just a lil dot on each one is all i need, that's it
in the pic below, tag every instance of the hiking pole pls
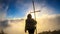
(34, 13)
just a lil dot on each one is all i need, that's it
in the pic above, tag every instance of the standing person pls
(30, 25)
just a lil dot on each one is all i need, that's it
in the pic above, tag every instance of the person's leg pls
(31, 31)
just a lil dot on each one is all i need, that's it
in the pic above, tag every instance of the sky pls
(47, 19)
(19, 8)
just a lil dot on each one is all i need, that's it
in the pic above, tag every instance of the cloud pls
(48, 22)
(2, 15)
(58, 19)
(3, 10)
(4, 24)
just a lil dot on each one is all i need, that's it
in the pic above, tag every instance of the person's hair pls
(29, 16)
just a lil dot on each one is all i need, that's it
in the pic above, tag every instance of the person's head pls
(29, 16)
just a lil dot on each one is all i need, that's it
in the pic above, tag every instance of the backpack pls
(30, 24)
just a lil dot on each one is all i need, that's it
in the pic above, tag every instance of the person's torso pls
(30, 24)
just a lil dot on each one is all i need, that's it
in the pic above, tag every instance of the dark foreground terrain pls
(49, 32)
(45, 32)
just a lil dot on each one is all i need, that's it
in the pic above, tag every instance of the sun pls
(37, 15)
(32, 15)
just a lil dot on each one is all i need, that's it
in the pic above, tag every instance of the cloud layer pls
(49, 22)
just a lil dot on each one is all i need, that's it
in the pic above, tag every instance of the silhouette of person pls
(30, 24)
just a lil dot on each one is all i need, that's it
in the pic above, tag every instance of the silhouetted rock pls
(49, 32)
